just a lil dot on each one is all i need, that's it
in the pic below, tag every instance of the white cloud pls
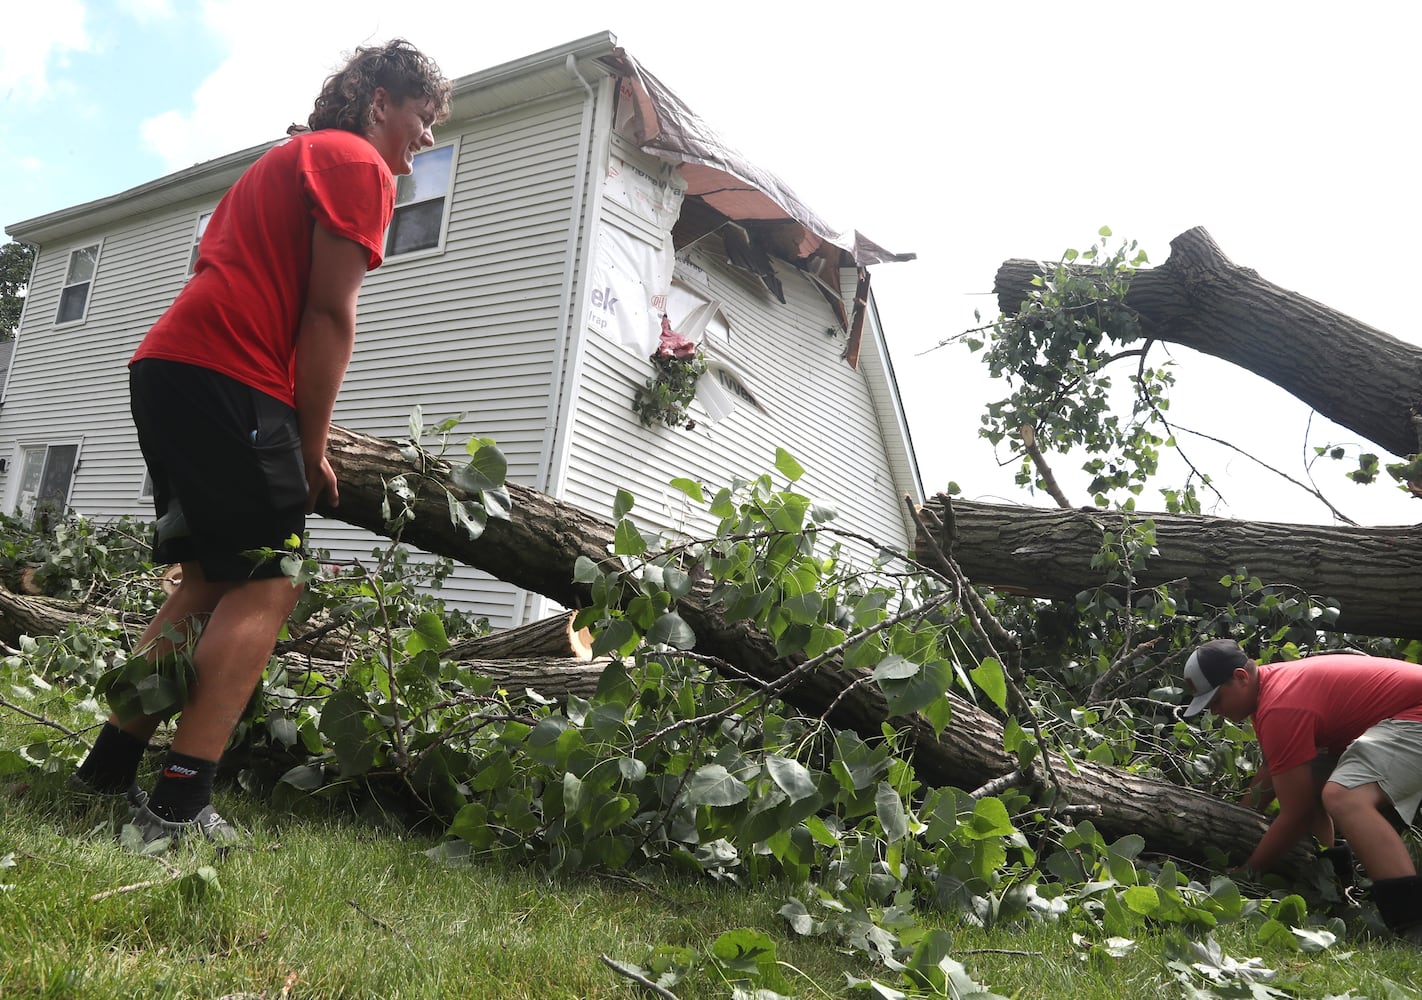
(279, 53)
(36, 37)
(145, 11)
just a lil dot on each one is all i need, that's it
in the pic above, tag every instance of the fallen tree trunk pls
(537, 547)
(552, 676)
(548, 637)
(1350, 372)
(1374, 573)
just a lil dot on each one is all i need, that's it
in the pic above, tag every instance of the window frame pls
(22, 449)
(98, 248)
(453, 144)
(199, 227)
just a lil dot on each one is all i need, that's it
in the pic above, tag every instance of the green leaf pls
(486, 469)
(306, 777)
(895, 668)
(990, 819)
(713, 785)
(428, 633)
(343, 724)
(585, 570)
(890, 810)
(691, 488)
(671, 630)
(925, 688)
(676, 582)
(621, 504)
(614, 637)
(497, 503)
(628, 541)
(791, 777)
(785, 462)
(991, 680)
(1142, 899)
(467, 514)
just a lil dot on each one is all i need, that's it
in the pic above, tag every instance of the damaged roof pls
(722, 178)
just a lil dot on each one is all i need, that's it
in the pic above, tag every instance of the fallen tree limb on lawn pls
(537, 547)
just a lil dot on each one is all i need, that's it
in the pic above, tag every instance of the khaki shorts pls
(1390, 753)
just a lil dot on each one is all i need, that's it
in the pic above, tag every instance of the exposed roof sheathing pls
(661, 125)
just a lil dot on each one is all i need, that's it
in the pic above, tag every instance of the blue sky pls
(971, 134)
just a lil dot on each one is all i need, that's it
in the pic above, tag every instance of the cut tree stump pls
(547, 637)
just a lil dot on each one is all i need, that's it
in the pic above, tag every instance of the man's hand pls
(321, 481)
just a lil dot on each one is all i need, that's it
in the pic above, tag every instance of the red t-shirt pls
(1327, 702)
(240, 310)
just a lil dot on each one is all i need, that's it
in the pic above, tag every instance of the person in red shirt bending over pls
(232, 392)
(1364, 711)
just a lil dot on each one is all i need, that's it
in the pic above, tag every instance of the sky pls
(972, 134)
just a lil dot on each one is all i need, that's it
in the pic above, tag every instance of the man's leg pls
(112, 763)
(230, 655)
(1359, 814)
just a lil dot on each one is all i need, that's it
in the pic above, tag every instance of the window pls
(422, 203)
(197, 240)
(74, 300)
(46, 473)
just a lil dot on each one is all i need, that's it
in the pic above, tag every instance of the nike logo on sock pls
(178, 771)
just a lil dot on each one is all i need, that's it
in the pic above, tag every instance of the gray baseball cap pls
(1209, 666)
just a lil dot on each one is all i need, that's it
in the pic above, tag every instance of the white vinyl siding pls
(70, 381)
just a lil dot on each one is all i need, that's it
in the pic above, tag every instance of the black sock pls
(183, 788)
(113, 761)
(1340, 856)
(1399, 901)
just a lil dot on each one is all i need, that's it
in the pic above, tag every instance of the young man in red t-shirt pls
(1365, 711)
(232, 392)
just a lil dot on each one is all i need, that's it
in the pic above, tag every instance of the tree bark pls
(1350, 372)
(1374, 573)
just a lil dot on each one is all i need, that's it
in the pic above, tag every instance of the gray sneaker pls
(133, 795)
(207, 822)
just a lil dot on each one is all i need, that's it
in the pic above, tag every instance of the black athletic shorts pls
(226, 465)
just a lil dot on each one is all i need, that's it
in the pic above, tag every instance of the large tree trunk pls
(1350, 372)
(1374, 573)
(537, 546)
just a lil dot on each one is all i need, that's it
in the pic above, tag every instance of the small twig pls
(134, 887)
(637, 978)
(1098, 689)
(37, 718)
(383, 926)
(999, 784)
(1049, 481)
(1000, 951)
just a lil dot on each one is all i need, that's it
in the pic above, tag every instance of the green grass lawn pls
(321, 903)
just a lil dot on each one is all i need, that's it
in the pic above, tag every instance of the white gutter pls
(565, 303)
(577, 330)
